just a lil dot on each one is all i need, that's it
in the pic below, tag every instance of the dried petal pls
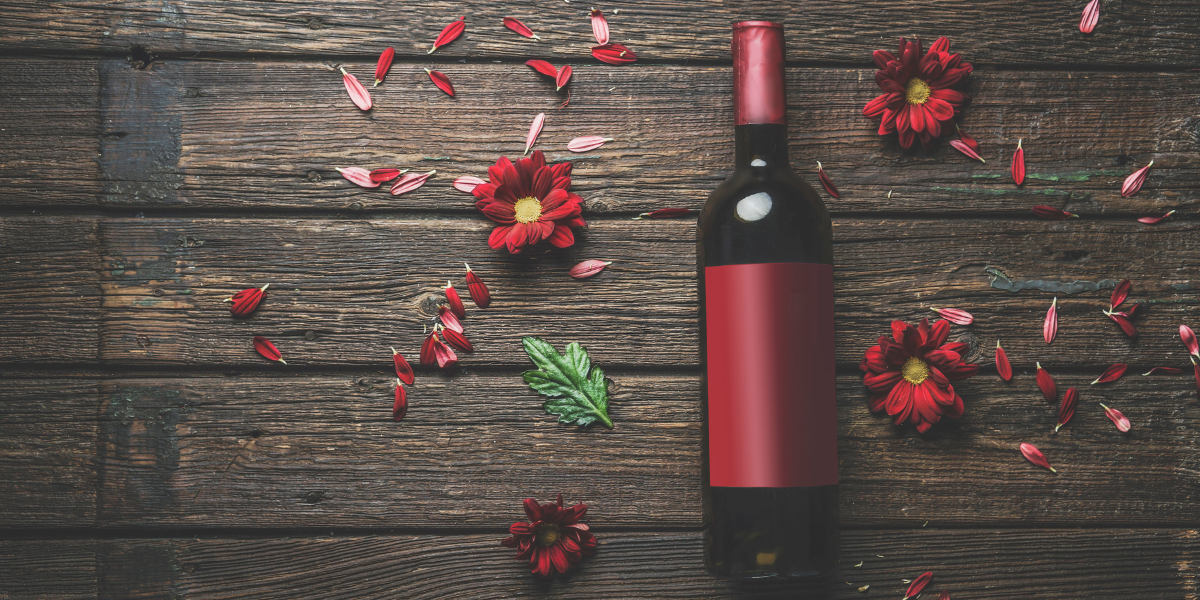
(410, 181)
(244, 302)
(1124, 323)
(664, 213)
(267, 349)
(1003, 367)
(404, 371)
(1046, 383)
(449, 33)
(1134, 182)
(614, 54)
(443, 354)
(1164, 371)
(455, 301)
(966, 139)
(382, 175)
(1052, 214)
(542, 67)
(1091, 14)
(1189, 340)
(825, 181)
(400, 406)
(358, 176)
(588, 268)
(478, 290)
(467, 183)
(520, 28)
(1050, 326)
(1035, 456)
(358, 93)
(1119, 294)
(1128, 314)
(1018, 165)
(1117, 418)
(1155, 220)
(441, 81)
(966, 149)
(1066, 410)
(457, 339)
(562, 78)
(1111, 374)
(449, 319)
(427, 355)
(587, 142)
(918, 584)
(954, 315)
(599, 27)
(384, 64)
(945, 595)
(535, 128)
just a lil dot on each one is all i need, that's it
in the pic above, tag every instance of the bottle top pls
(758, 80)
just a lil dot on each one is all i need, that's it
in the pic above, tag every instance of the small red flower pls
(917, 100)
(910, 374)
(531, 201)
(554, 539)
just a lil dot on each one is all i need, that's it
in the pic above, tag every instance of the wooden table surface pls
(158, 155)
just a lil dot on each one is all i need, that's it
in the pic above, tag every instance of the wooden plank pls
(47, 453)
(59, 569)
(1046, 33)
(220, 135)
(49, 289)
(983, 564)
(48, 132)
(342, 292)
(323, 451)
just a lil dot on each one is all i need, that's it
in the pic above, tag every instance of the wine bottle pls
(765, 270)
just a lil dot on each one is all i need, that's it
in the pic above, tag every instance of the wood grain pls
(989, 31)
(59, 569)
(977, 563)
(343, 291)
(323, 451)
(269, 135)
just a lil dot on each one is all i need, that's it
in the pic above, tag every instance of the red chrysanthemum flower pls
(554, 539)
(910, 374)
(917, 98)
(531, 201)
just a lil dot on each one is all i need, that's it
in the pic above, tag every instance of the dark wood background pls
(158, 155)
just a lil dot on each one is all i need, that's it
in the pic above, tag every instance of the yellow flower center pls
(915, 370)
(547, 534)
(916, 91)
(528, 209)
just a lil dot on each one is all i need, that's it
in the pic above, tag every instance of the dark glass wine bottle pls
(765, 268)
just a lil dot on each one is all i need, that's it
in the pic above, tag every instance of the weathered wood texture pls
(342, 291)
(216, 136)
(981, 564)
(991, 31)
(324, 452)
(49, 289)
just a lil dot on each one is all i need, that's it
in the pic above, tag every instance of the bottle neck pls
(761, 146)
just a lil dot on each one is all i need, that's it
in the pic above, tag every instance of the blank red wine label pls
(772, 408)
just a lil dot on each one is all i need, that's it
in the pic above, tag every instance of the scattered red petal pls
(542, 67)
(614, 54)
(410, 182)
(562, 78)
(1189, 340)
(918, 584)
(535, 128)
(586, 143)
(1111, 374)
(467, 183)
(427, 355)
(1091, 14)
(1046, 383)
(457, 339)
(384, 64)
(599, 27)
(404, 371)
(449, 33)
(1003, 367)
(400, 406)
(954, 315)
(455, 301)
(1050, 326)
(1119, 294)
(588, 268)
(441, 81)
(520, 28)
(449, 319)
(443, 354)
(244, 302)
(1052, 214)
(966, 139)
(1067, 409)
(1155, 220)
(358, 94)
(1164, 371)
(382, 175)
(1018, 165)
(966, 149)
(1117, 418)
(358, 176)
(1124, 324)
(1134, 182)
(478, 290)
(826, 181)
(267, 349)
(664, 213)
(1035, 456)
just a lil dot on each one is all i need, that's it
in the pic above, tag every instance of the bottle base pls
(772, 533)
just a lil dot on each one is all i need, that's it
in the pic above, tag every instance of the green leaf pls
(574, 395)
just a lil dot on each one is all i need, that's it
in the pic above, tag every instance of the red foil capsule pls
(758, 86)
